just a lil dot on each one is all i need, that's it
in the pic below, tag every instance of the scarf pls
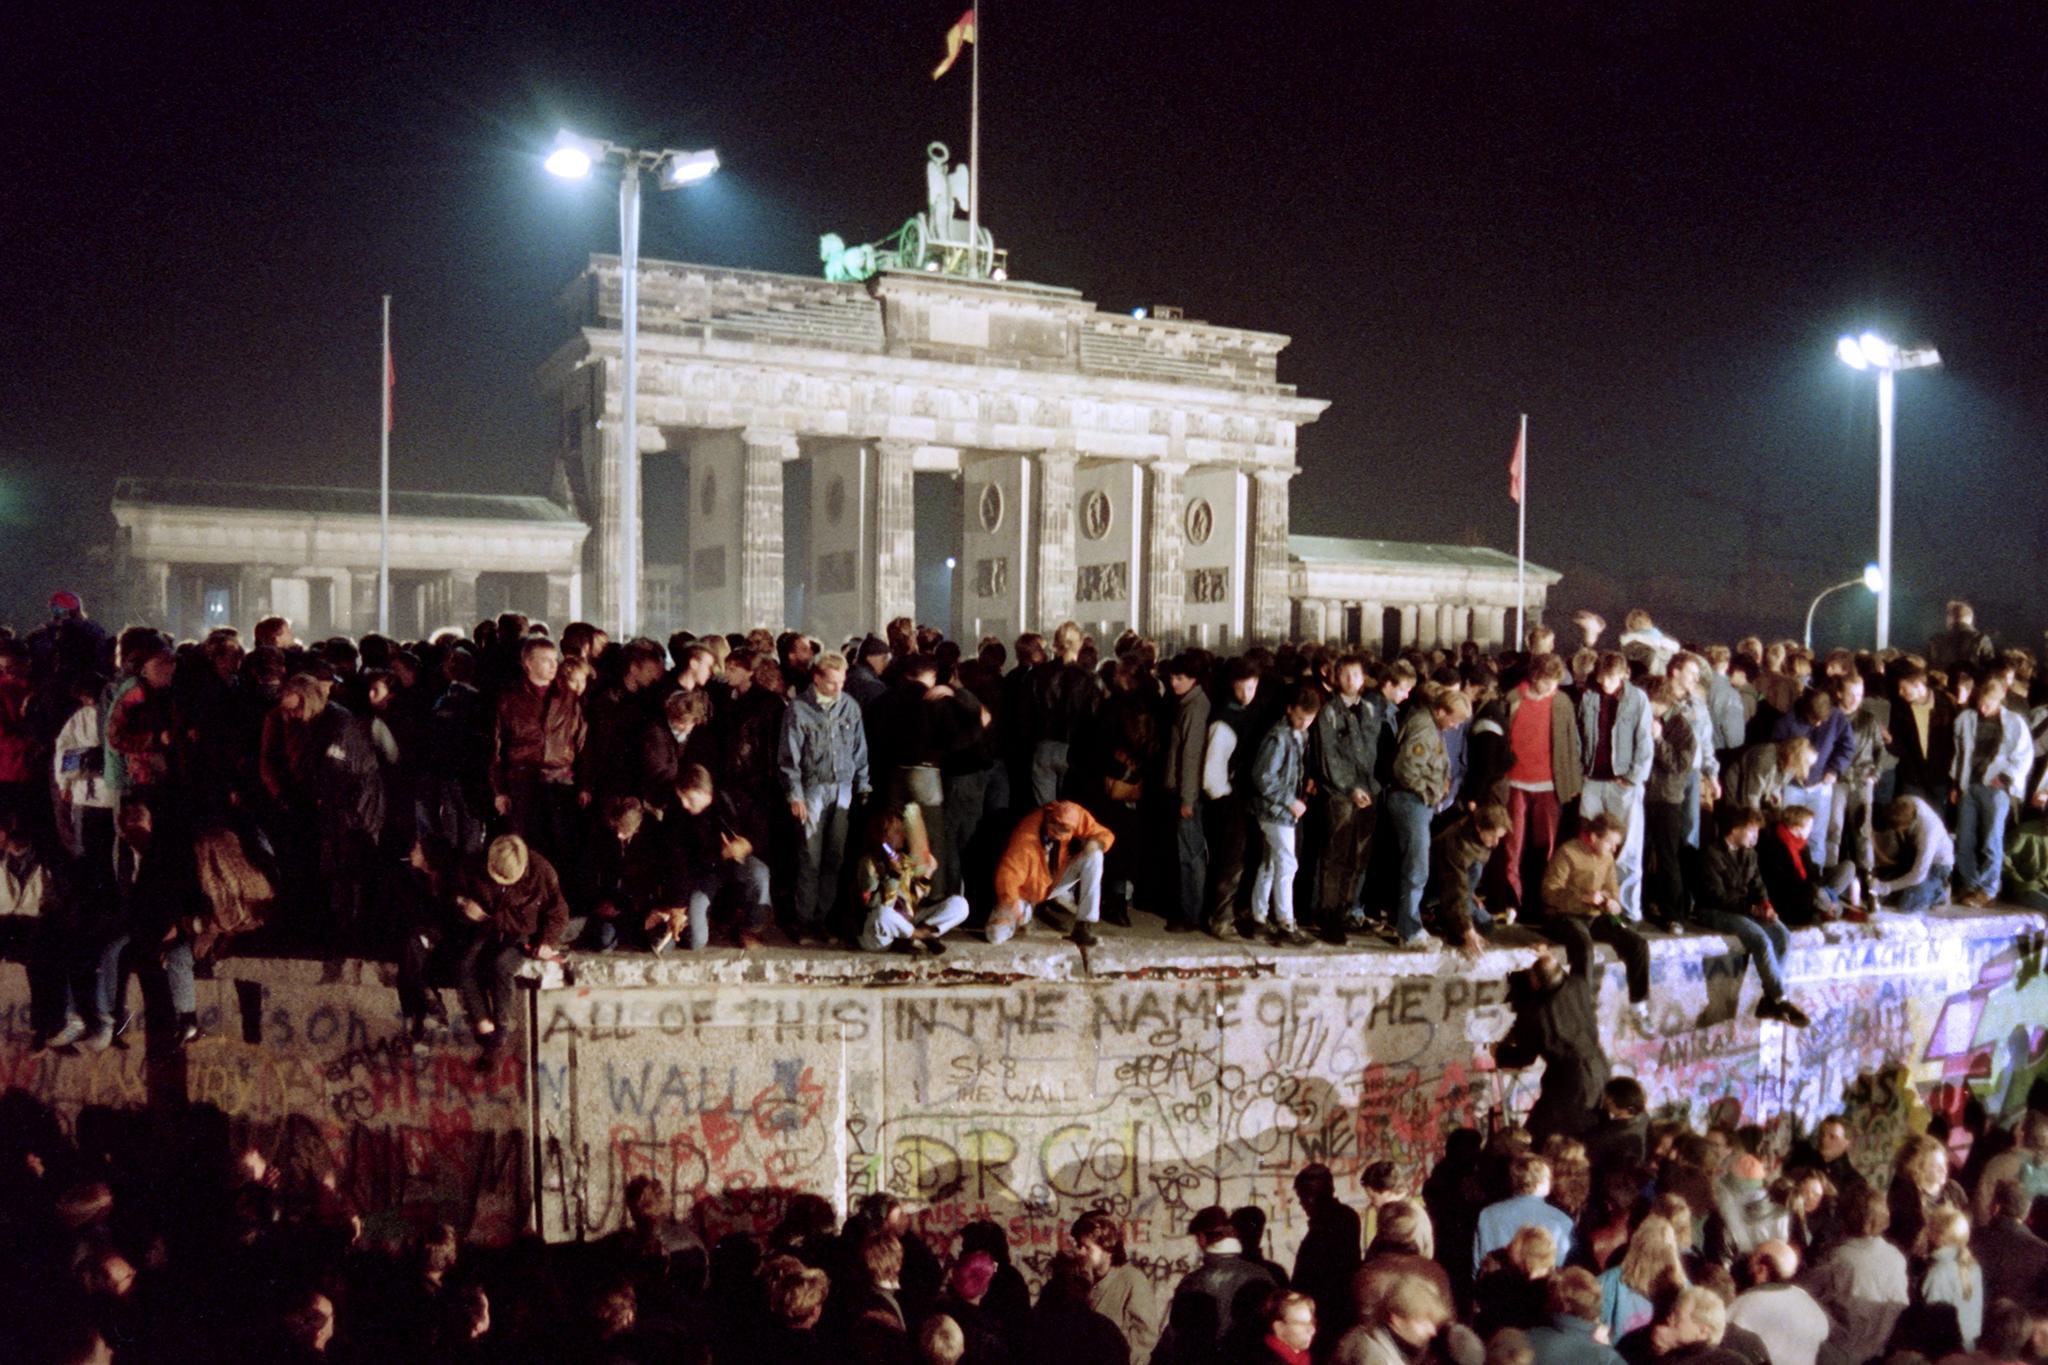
(1280, 1350)
(1795, 844)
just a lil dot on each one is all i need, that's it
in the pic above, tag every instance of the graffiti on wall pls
(326, 1086)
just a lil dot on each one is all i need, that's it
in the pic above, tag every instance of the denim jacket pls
(822, 749)
(1276, 774)
(2014, 759)
(1632, 751)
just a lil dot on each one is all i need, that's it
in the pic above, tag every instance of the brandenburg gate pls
(1113, 469)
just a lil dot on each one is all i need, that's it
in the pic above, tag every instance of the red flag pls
(390, 383)
(1515, 466)
(957, 37)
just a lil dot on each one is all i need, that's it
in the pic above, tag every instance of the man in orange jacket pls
(1055, 854)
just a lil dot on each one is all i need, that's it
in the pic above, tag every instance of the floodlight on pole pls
(1871, 577)
(1872, 352)
(573, 157)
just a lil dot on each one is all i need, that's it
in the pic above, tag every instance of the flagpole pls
(1522, 544)
(384, 485)
(974, 152)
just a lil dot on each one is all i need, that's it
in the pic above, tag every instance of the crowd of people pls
(467, 803)
(1636, 1241)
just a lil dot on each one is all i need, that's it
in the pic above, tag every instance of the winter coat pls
(530, 910)
(344, 774)
(1834, 745)
(1025, 872)
(17, 741)
(1727, 879)
(1675, 757)
(538, 733)
(1755, 779)
(1190, 735)
(1065, 697)
(1346, 745)
(1421, 765)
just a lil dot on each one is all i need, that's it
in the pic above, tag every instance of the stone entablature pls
(918, 372)
(212, 553)
(1390, 594)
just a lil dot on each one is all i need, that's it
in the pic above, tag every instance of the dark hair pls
(1104, 1231)
(1626, 1094)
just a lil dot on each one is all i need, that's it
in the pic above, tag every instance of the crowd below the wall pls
(468, 803)
(1636, 1241)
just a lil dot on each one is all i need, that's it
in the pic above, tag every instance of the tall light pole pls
(573, 158)
(1872, 352)
(1872, 578)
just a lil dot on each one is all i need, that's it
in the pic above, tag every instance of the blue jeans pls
(1624, 803)
(1274, 884)
(1048, 770)
(1191, 853)
(823, 848)
(1819, 799)
(1980, 839)
(700, 888)
(1923, 896)
(1410, 818)
(1764, 940)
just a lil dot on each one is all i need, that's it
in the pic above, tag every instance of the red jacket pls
(17, 742)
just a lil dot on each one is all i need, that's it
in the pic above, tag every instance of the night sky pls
(1645, 225)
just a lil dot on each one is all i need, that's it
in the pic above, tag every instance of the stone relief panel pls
(991, 577)
(1102, 583)
(1208, 586)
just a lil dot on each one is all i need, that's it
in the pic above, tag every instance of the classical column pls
(1313, 622)
(601, 546)
(461, 600)
(156, 592)
(895, 534)
(1269, 602)
(1447, 632)
(1055, 602)
(760, 556)
(1165, 599)
(560, 610)
(1411, 627)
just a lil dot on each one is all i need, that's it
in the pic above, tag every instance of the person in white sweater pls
(1790, 1321)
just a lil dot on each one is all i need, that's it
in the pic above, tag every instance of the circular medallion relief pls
(707, 495)
(990, 507)
(835, 501)
(1095, 512)
(1201, 521)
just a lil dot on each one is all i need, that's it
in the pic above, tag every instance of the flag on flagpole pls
(1515, 465)
(957, 37)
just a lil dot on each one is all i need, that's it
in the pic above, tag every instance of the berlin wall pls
(1030, 1083)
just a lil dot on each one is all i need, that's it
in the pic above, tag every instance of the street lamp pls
(1872, 352)
(573, 158)
(1872, 578)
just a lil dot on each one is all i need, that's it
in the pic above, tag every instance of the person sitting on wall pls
(1054, 858)
(893, 881)
(1915, 878)
(1582, 904)
(1728, 898)
(516, 903)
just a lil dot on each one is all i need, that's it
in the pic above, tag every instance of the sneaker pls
(1639, 1014)
(73, 1030)
(99, 1040)
(1219, 929)
(1418, 941)
(1294, 936)
(1084, 935)
(934, 947)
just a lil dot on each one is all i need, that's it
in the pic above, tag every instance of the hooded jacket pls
(1026, 872)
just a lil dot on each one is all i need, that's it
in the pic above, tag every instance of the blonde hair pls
(1947, 1227)
(1533, 1251)
(1066, 639)
(1652, 1260)
(1795, 754)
